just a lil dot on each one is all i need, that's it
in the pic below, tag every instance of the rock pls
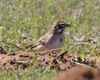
(80, 73)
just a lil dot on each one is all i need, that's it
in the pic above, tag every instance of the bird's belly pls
(55, 43)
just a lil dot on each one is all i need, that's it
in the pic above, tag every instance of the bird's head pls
(60, 26)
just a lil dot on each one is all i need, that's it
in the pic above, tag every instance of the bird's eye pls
(61, 26)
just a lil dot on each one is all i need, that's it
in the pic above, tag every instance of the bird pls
(53, 39)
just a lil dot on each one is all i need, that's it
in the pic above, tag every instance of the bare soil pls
(62, 61)
(19, 60)
(70, 67)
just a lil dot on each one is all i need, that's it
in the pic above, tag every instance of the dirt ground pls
(70, 67)
(62, 61)
(18, 60)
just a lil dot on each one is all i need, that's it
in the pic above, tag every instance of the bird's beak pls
(68, 25)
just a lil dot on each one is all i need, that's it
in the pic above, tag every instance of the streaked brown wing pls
(43, 40)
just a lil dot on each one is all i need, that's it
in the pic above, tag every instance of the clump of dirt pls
(14, 61)
(62, 61)
(80, 73)
(2, 51)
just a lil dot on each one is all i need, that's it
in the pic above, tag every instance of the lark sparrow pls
(53, 39)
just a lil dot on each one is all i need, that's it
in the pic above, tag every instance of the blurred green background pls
(24, 21)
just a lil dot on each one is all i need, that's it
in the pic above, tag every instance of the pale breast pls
(56, 41)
